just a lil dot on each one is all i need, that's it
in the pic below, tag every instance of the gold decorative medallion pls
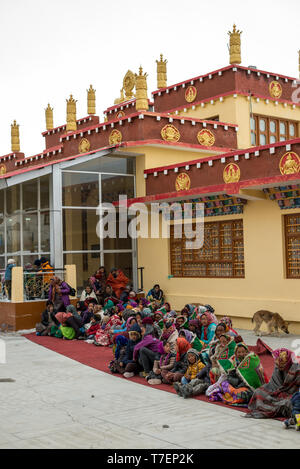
(170, 133)
(115, 137)
(289, 163)
(206, 138)
(183, 182)
(84, 145)
(120, 114)
(231, 173)
(2, 169)
(190, 94)
(275, 89)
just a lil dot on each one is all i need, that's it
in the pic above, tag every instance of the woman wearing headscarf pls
(181, 364)
(59, 294)
(274, 398)
(170, 334)
(104, 336)
(208, 327)
(147, 350)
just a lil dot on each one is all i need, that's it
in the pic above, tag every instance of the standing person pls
(7, 276)
(117, 280)
(59, 294)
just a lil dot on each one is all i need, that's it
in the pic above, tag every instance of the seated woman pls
(170, 334)
(181, 364)
(274, 398)
(208, 328)
(119, 353)
(88, 293)
(224, 350)
(241, 375)
(127, 366)
(47, 320)
(156, 295)
(165, 363)
(147, 350)
(181, 322)
(104, 336)
(65, 330)
(227, 320)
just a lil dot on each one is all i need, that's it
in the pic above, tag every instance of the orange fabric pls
(183, 346)
(119, 283)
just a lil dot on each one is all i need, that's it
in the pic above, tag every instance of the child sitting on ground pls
(295, 419)
(194, 367)
(94, 327)
(165, 363)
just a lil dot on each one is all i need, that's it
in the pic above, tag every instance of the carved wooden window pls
(266, 130)
(222, 254)
(292, 245)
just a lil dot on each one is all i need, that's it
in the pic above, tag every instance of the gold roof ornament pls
(71, 114)
(161, 72)
(91, 101)
(235, 46)
(128, 87)
(142, 103)
(15, 137)
(49, 117)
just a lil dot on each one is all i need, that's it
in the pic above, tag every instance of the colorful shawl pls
(183, 346)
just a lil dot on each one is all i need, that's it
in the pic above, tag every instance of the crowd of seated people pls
(190, 349)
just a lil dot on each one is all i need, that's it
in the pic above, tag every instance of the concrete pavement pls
(56, 402)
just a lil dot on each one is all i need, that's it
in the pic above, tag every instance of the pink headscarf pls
(286, 356)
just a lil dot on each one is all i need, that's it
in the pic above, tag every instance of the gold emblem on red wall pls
(120, 114)
(84, 145)
(2, 169)
(170, 133)
(275, 89)
(231, 173)
(115, 137)
(206, 137)
(190, 94)
(289, 163)
(183, 182)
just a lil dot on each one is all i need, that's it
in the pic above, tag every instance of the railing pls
(37, 284)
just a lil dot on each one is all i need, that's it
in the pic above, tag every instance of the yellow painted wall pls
(264, 285)
(154, 157)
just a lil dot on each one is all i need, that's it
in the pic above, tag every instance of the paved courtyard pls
(55, 402)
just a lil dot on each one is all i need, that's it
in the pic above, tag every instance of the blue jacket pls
(210, 333)
(8, 271)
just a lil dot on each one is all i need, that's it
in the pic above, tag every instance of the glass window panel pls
(30, 195)
(79, 230)
(120, 260)
(273, 127)
(86, 265)
(29, 260)
(262, 139)
(30, 232)
(262, 125)
(282, 128)
(80, 190)
(108, 164)
(45, 231)
(272, 139)
(112, 186)
(282, 139)
(44, 192)
(252, 124)
(2, 233)
(13, 200)
(253, 139)
(2, 265)
(292, 130)
(117, 243)
(13, 233)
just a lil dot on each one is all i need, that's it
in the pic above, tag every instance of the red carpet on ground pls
(99, 358)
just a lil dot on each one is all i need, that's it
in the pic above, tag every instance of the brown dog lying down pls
(273, 321)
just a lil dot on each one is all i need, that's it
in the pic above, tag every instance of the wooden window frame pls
(184, 261)
(268, 133)
(288, 236)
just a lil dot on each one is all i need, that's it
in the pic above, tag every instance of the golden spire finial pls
(235, 45)
(49, 117)
(141, 91)
(71, 114)
(91, 100)
(15, 137)
(161, 73)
